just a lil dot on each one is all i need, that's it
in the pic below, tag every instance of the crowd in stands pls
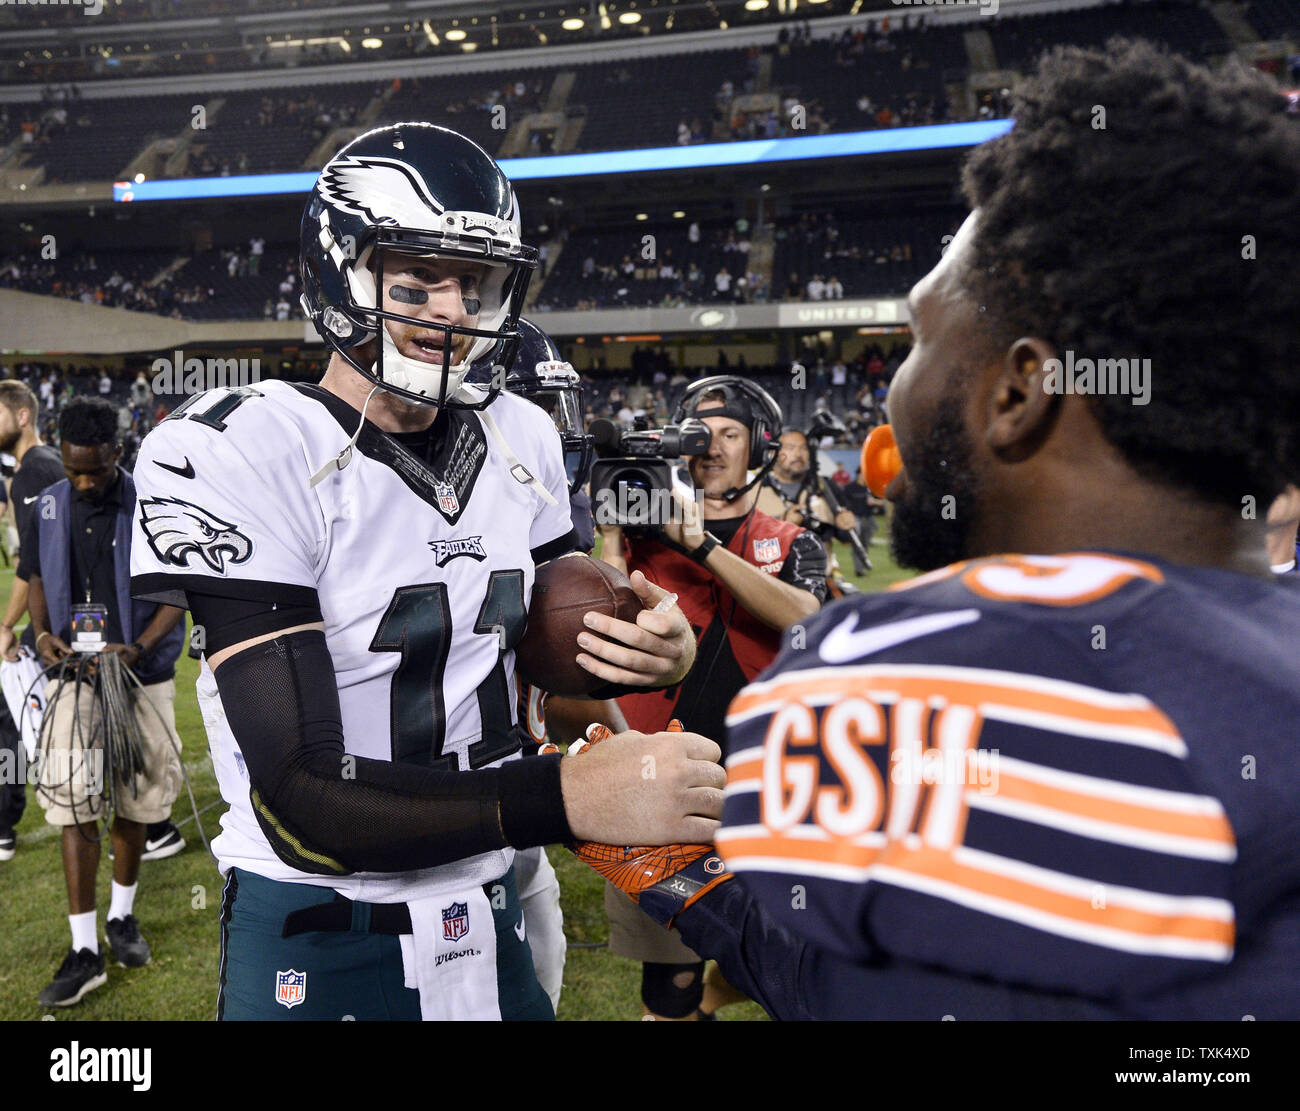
(819, 256)
(662, 265)
(884, 72)
(262, 132)
(129, 280)
(825, 256)
(231, 283)
(852, 390)
(139, 409)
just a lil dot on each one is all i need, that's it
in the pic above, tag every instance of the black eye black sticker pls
(407, 295)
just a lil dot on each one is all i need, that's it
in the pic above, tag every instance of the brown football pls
(564, 590)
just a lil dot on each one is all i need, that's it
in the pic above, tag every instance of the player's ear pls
(1022, 406)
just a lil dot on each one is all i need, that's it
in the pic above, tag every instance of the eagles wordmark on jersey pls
(423, 572)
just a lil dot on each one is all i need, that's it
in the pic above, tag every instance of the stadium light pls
(372, 43)
(678, 214)
(630, 18)
(430, 34)
(573, 23)
(755, 5)
(643, 216)
(454, 35)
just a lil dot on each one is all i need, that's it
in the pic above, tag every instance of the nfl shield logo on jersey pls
(446, 498)
(767, 550)
(290, 988)
(455, 921)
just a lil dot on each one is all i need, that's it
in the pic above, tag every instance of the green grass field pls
(179, 900)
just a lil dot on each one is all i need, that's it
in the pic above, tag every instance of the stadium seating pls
(639, 103)
(1275, 19)
(1193, 31)
(269, 130)
(890, 70)
(101, 137)
(240, 296)
(871, 256)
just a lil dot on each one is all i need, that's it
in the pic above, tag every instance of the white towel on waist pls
(451, 958)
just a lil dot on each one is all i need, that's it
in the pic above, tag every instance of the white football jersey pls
(423, 573)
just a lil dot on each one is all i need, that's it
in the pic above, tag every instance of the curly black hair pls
(88, 422)
(1172, 233)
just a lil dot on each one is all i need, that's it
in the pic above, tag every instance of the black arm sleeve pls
(330, 813)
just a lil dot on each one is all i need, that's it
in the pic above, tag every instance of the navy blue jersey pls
(1063, 785)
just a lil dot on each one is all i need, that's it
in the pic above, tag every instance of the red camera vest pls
(762, 541)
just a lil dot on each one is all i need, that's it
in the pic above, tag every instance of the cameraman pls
(741, 577)
(794, 492)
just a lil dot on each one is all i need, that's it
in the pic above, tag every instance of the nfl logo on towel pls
(290, 988)
(455, 921)
(446, 498)
(767, 550)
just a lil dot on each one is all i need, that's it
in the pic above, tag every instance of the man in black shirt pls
(39, 466)
(76, 560)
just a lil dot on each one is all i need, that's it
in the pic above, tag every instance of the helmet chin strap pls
(518, 471)
(344, 457)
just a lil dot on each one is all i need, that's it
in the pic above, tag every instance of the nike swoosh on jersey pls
(28, 501)
(186, 471)
(520, 929)
(845, 643)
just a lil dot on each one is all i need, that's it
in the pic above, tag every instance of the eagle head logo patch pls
(176, 529)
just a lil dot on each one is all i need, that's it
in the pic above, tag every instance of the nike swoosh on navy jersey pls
(845, 643)
(28, 501)
(520, 930)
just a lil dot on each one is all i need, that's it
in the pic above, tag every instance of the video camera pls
(632, 478)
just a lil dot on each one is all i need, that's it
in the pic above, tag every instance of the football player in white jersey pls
(360, 556)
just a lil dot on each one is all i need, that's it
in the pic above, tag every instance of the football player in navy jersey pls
(1024, 785)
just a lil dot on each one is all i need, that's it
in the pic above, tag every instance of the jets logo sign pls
(177, 530)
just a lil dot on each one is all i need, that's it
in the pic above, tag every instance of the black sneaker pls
(162, 839)
(80, 972)
(7, 843)
(130, 949)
